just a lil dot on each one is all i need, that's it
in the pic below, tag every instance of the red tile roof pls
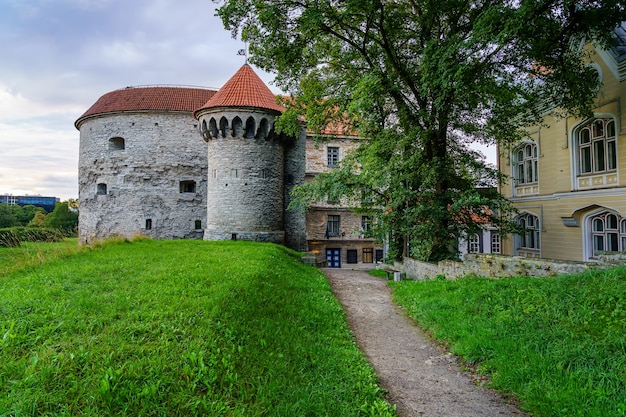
(175, 99)
(244, 89)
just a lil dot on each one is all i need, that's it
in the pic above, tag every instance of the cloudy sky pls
(57, 57)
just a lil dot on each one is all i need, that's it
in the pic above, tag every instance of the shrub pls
(8, 238)
(13, 236)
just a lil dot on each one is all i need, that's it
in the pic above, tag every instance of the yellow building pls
(568, 178)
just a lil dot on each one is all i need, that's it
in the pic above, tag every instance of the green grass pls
(558, 345)
(34, 254)
(178, 328)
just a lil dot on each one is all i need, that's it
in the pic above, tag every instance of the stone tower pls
(250, 169)
(142, 165)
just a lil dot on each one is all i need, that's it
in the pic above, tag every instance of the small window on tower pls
(117, 144)
(101, 189)
(187, 186)
(198, 224)
(148, 224)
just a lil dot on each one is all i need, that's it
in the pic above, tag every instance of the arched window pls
(237, 127)
(250, 128)
(473, 244)
(495, 243)
(224, 127)
(117, 144)
(204, 129)
(213, 127)
(101, 189)
(264, 129)
(525, 163)
(528, 242)
(608, 233)
(596, 147)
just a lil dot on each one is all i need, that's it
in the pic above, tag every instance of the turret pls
(246, 161)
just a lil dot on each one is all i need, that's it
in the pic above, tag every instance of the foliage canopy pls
(421, 80)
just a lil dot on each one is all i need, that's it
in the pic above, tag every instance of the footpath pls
(420, 378)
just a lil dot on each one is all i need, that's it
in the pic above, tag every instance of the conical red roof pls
(244, 89)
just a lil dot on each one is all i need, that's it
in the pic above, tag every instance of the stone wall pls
(295, 219)
(496, 266)
(143, 180)
(317, 156)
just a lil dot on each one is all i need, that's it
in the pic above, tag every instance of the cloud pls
(60, 56)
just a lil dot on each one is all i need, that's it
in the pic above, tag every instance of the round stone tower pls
(142, 165)
(246, 162)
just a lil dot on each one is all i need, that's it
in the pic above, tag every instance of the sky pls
(57, 57)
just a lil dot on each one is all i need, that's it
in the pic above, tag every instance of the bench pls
(392, 272)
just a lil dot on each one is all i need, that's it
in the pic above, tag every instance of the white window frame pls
(596, 146)
(473, 243)
(528, 242)
(605, 231)
(525, 163)
(496, 243)
(332, 156)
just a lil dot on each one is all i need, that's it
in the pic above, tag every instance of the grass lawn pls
(176, 328)
(34, 254)
(557, 344)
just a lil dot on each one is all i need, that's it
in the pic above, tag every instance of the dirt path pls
(420, 378)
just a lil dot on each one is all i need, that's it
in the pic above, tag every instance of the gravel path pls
(421, 379)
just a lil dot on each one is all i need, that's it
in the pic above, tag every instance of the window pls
(101, 189)
(526, 164)
(333, 156)
(198, 224)
(597, 147)
(530, 237)
(495, 243)
(608, 233)
(187, 186)
(332, 227)
(368, 255)
(351, 256)
(148, 224)
(117, 144)
(366, 225)
(474, 244)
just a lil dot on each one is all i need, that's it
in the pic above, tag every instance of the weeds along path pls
(421, 379)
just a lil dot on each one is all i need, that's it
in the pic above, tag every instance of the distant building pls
(47, 203)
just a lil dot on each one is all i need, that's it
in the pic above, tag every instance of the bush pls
(9, 239)
(13, 236)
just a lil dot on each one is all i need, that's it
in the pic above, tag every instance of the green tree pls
(26, 213)
(7, 216)
(38, 220)
(62, 218)
(422, 79)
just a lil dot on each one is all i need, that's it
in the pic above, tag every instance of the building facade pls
(176, 162)
(568, 177)
(47, 203)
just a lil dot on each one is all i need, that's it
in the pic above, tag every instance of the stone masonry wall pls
(142, 180)
(295, 220)
(316, 152)
(490, 265)
(245, 196)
